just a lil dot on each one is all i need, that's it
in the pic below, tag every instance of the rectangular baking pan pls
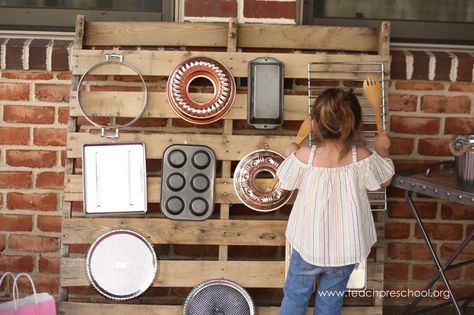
(114, 178)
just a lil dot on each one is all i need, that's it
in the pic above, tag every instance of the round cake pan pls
(121, 264)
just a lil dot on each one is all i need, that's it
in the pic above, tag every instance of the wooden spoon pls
(373, 93)
(303, 133)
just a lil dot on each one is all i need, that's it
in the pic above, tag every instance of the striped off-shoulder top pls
(331, 223)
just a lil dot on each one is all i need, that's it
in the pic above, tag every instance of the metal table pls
(444, 185)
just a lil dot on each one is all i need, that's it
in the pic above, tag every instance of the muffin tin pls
(187, 182)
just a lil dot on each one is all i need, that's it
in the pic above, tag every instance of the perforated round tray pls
(219, 297)
(121, 264)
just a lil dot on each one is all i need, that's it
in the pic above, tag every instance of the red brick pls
(45, 202)
(2, 242)
(434, 147)
(28, 243)
(401, 146)
(49, 136)
(49, 264)
(48, 223)
(414, 125)
(63, 114)
(421, 62)
(52, 180)
(459, 126)
(444, 104)
(16, 222)
(426, 272)
(448, 249)
(443, 66)
(16, 263)
(252, 251)
(418, 166)
(440, 231)
(461, 87)
(270, 9)
(64, 76)
(28, 114)
(180, 123)
(317, 82)
(465, 66)
(419, 85)
(14, 91)
(17, 179)
(408, 251)
(60, 55)
(14, 53)
(456, 211)
(27, 75)
(218, 8)
(14, 135)
(196, 250)
(31, 158)
(145, 122)
(52, 92)
(78, 248)
(395, 230)
(47, 283)
(402, 102)
(398, 66)
(395, 271)
(427, 210)
(469, 272)
(37, 54)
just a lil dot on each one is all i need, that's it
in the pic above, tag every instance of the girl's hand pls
(382, 144)
(292, 147)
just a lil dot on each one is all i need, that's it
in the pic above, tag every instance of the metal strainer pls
(218, 297)
(121, 264)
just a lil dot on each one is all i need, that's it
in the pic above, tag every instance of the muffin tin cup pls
(187, 182)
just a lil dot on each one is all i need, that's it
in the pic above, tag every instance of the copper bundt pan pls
(245, 181)
(207, 112)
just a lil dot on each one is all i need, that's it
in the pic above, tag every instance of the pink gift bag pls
(34, 304)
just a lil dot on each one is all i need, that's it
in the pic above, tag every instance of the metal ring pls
(111, 59)
(211, 110)
(244, 181)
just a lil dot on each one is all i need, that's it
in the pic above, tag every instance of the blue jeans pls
(299, 287)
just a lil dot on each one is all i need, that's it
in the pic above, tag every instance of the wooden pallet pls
(162, 47)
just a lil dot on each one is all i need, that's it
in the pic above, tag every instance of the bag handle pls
(16, 292)
(4, 276)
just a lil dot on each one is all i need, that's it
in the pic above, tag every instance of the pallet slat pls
(162, 63)
(225, 193)
(182, 273)
(215, 35)
(179, 273)
(128, 104)
(166, 231)
(76, 308)
(226, 147)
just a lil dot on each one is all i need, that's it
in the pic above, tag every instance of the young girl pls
(331, 228)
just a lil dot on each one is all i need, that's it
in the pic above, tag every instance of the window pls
(60, 15)
(435, 21)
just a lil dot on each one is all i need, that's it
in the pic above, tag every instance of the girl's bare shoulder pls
(362, 153)
(303, 153)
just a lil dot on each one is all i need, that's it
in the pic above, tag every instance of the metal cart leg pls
(439, 267)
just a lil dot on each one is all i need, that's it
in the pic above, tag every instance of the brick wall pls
(34, 96)
(430, 99)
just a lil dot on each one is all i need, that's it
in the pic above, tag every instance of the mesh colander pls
(218, 297)
(121, 264)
